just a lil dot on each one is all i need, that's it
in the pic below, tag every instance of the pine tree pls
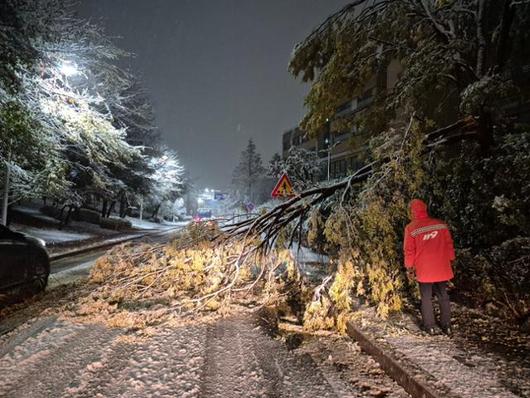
(248, 173)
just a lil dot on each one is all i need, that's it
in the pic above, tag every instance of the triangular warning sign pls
(284, 188)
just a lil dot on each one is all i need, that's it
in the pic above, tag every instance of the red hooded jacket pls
(428, 246)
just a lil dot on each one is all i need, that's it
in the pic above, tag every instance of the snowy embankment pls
(144, 224)
(52, 236)
(76, 231)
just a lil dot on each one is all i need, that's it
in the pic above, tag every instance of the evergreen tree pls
(249, 173)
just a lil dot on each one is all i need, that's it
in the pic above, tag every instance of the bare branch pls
(269, 225)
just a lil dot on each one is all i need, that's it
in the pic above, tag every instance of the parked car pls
(24, 262)
(203, 214)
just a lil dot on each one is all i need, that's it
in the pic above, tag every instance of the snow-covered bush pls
(301, 165)
(115, 223)
(496, 279)
(484, 199)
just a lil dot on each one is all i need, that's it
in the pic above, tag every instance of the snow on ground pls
(176, 223)
(454, 366)
(144, 224)
(232, 357)
(440, 357)
(51, 235)
(70, 275)
(36, 213)
(303, 254)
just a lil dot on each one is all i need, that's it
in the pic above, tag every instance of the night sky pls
(216, 71)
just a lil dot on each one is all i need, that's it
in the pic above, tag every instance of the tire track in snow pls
(99, 377)
(56, 361)
(243, 361)
(167, 365)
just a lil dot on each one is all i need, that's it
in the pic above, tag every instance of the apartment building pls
(343, 151)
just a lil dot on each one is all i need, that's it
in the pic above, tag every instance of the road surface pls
(53, 356)
(68, 269)
(233, 357)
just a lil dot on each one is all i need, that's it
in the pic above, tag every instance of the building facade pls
(343, 151)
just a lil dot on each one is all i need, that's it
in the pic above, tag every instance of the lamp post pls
(329, 150)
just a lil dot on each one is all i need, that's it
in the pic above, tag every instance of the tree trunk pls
(71, 209)
(503, 45)
(63, 219)
(111, 208)
(155, 211)
(121, 210)
(481, 48)
(125, 207)
(104, 206)
(5, 203)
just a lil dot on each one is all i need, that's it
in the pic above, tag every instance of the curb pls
(391, 365)
(95, 246)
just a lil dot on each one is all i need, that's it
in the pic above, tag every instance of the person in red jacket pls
(429, 251)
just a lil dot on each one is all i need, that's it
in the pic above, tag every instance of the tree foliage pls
(85, 129)
(302, 167)
(458, 57)
(249, 173)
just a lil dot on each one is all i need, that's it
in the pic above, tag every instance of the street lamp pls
(329, 150)
(68, 68)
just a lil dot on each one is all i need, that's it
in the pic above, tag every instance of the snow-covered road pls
(55, 356)
(233, 357)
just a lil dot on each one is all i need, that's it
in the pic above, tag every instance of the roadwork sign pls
(284, 188)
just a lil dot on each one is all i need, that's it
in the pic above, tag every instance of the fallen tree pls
(269, 225)
(138, 286)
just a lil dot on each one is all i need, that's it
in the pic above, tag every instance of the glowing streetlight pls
(68, 68)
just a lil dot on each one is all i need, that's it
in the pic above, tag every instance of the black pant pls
(427, 313)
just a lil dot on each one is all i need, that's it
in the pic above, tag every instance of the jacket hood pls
(418, 209)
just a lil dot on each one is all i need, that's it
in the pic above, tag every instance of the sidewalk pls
(463, 366)
(79, 236)
(82, 246)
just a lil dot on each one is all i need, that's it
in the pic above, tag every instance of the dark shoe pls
(447, 330)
